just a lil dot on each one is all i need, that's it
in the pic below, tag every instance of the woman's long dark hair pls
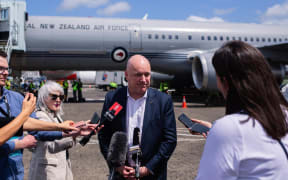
(251, 86)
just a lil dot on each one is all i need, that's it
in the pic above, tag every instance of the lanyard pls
(8, 113)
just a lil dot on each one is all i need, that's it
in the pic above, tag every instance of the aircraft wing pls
(277, 53)
(282, 46)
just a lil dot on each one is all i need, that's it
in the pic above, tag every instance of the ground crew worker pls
(31, 87)
(41, 83)
(113, 85)
(7, 84)
(74, 87)
(161, 86)
(164, 87)
(65, 87)
(79, 88)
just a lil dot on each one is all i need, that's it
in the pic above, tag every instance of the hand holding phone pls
(29, 103)
(95, 119)
(193, 126)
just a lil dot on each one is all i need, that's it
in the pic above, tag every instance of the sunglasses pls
(55, 96)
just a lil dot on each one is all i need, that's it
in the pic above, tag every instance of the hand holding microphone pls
(136, 151)
(109, 115)
(117, 153)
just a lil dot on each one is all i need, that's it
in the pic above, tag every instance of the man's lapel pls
(123, 102)
(149, 111)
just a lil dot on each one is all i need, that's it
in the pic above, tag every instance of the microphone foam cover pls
(117, 149)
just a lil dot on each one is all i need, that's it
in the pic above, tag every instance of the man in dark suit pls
(149, 110)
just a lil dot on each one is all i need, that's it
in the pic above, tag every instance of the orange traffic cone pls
(184, 105)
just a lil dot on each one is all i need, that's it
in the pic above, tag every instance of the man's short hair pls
(3, 54)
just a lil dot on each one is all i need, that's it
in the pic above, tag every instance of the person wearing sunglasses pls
(16, 117)
(50, 157)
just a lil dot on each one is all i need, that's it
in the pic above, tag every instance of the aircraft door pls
(135, 37)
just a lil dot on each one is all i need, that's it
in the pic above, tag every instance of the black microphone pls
(136, 134)
(108, 115)
(136, 151)
(95, 119)
(117, 151)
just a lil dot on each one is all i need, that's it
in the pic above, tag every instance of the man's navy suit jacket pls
(159, 137)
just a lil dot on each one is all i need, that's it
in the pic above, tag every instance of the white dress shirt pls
(134, 115)
(134, 118)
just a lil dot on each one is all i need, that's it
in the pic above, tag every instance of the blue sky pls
(247, 11)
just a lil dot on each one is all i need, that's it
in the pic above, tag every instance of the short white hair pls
(43, 93)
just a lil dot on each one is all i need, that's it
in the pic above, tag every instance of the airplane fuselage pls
(73, 43)
(182, 49)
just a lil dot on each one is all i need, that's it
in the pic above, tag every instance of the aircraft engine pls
(279, 71)
(203, 73)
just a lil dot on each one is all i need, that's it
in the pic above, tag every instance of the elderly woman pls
(50, 158)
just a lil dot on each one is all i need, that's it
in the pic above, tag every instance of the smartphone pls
(193, 126)
(95, 119)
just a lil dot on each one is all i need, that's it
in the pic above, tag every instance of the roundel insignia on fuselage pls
(119, 54)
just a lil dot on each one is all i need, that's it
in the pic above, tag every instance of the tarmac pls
(89, 164)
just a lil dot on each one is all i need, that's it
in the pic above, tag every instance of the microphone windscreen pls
(117, 149)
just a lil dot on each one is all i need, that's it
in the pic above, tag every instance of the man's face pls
(3, 71)
(138, 76)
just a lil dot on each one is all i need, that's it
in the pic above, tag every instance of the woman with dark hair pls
(250, 141)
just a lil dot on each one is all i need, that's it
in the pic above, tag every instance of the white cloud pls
(275, 21)
(277, 14)
(115, 8)
(224, 11)
(71, 4)
(278, 10)
(202, 19)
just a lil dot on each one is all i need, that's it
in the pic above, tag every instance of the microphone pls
(136, 136)
(108, 115)
(116, 156)
(136, 151)
(117, 149)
